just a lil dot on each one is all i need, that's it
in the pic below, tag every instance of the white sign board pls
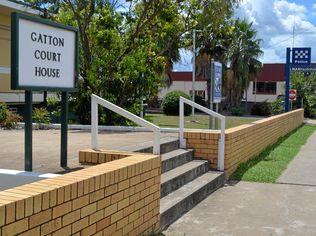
(45, 55)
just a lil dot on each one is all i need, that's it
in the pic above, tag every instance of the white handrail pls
(96, 100)
(221, 142)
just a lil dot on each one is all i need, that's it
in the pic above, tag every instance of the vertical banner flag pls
(217, 82)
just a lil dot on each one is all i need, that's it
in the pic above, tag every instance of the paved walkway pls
(252, 209)
(302, 169)
(260, 209)
(46, 147)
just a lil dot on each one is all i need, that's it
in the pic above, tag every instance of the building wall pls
(6, 94)
(280, 89)
(116, 198)
(243, 142)
(5, 38)
(185, 86)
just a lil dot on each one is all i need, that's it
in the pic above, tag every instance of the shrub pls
(8, 119)
(170, 103)
(261, 109)
(54, 108)
(277, 107)
(237, 111)
(41, 116)
(200, 100)
(3, 112)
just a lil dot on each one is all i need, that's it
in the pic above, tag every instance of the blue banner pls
(217, 82)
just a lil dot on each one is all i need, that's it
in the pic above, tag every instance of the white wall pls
(185, 86)
(263, 97)
(19, 97)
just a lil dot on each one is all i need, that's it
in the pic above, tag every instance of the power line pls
(294, 36)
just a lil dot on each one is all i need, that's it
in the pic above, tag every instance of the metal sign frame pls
(300, 66)
(28, 136)
(15, 18)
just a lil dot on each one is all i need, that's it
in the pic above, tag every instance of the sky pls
(274, 21)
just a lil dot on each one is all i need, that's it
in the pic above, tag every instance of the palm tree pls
(242, 56)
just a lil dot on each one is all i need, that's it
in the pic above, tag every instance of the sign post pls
(287, 78)
(28, 137)
(44, 57)
(301, 60)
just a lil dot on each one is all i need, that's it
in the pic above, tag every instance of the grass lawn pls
(202, 121)
(270, 164)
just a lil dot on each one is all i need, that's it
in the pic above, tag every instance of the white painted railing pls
(221, 141)
(96, 100)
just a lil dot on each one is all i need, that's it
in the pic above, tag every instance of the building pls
(267, 86)
(6, 94)
(183, 81)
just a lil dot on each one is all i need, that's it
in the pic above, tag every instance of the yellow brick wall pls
(116, 198)
(244, 141)
(90, 156)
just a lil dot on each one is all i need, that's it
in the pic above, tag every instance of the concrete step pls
(177, 203)
(167, 144)
(173, 159)
(177, 177)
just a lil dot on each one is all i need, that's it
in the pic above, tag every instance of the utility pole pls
(193, 76)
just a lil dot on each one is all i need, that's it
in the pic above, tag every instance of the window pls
(200, 93)
(264, 87)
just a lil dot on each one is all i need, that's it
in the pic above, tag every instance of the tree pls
(127, 47)
(242, 55)
(306, 92)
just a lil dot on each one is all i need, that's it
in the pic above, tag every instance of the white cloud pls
(185, 63)
(274, 21)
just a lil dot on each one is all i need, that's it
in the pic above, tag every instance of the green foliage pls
(261, 109)
(170, 103)
(306, 91)
(8, 119)
(271, 162)
(242, 54)
(277, 107)
(237, 111)
(54, 108)
(41, 116)
(202, 121)
(3, 112)
(128, 49)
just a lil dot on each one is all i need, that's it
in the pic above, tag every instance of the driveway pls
(46, 147)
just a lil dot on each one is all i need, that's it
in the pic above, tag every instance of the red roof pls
(184, 76)
(270, 72)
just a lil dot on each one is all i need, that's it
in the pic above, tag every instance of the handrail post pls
(156, 148)
(181, 123)
(221, 147)
(94, 123)
(221, 141)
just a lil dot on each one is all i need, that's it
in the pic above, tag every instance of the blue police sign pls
(217, 82)
(301, 56)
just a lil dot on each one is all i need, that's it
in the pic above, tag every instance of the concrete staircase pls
(184, 182)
